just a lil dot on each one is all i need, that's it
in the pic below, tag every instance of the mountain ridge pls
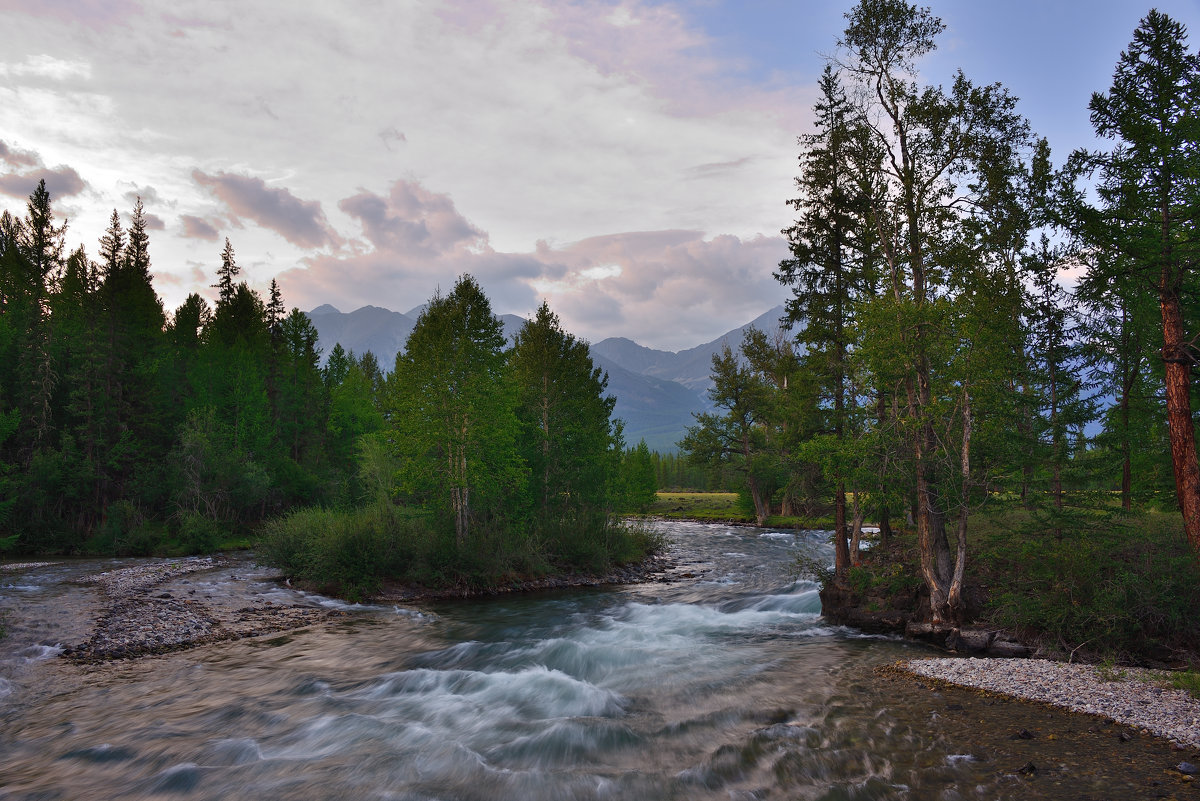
(658, 392)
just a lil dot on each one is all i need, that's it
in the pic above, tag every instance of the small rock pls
(1028, 769)
(1186, 768)
(1124, 736)
(1023, 734)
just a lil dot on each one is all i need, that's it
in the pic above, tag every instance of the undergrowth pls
(352, 552)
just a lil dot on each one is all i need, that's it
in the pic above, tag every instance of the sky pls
(627, 161)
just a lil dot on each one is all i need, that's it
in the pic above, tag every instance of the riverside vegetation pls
(1026, 444)
(128, 432)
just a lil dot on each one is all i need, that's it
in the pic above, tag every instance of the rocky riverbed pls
(155, 608)
(165, 605)
(1130, 696)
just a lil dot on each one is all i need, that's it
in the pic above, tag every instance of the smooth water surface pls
(722, 683)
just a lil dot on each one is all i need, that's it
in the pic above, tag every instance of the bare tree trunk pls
(856, 531)
(954, 598)
(841, 551)
(1179, 362)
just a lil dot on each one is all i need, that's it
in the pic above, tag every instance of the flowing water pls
(722, 683)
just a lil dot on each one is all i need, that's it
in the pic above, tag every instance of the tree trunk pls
(856, 532)
(841, 550)
(761, 508)
(885, 526)
(1179, 364)
(954, 598)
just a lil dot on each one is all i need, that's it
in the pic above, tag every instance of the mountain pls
(380, 331)
(370, 328)
(692, 367)
(658, 392)
(653, 409)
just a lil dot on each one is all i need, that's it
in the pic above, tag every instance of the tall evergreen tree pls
(568, 438)
(832, 266)
(452, 406)
(1149, 188)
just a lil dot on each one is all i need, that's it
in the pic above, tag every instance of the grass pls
(723, 507)
(715, 506)
(1113, 586)
(1186, 680)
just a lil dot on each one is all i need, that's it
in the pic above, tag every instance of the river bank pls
(723, 681)
(1130, 696)
(163, 606)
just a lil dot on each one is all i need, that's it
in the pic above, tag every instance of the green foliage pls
(452, 410)
(351, 552)
(568, 439)
(346, 552)
(638, 483)
(197, 533)
(1186, 680)
(1119, 587)
(810, 567)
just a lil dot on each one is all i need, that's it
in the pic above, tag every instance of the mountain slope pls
(657, 391)
(692, 367)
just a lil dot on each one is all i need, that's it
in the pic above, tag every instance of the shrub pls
(198, 533)
(1118, 588)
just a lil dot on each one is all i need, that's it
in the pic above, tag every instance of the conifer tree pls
(568, 439)
(1149, 188)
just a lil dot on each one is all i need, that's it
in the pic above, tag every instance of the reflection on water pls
(727, 685)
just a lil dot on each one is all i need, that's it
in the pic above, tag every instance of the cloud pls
(61, 182)
(412, 219)
(90, 12)
(148, 194)
(670, 289)
(46, 66)
(17, 158)
(391, 134)
(198, 228)
(154, 222)
(301, 222)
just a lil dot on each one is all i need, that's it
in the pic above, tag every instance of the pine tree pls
(228, 271)
(832, 267)
(568, 439)
(1149, 187)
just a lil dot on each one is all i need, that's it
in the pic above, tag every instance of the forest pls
(992, 351)
(125, 430)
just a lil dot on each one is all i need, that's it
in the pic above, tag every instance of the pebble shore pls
(1129, 696)
(146, 614)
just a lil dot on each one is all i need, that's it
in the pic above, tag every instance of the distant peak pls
(324, 308)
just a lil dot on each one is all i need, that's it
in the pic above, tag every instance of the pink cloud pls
(198, 228)
(412, 219)
(301, 222)
(17, 158)
(62, 181)
(657, 45)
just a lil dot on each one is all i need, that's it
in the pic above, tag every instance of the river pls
(722, 683)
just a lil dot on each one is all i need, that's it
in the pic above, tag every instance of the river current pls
(721, 683)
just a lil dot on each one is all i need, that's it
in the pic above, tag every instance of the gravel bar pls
(1134, 697)
(141, 618)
